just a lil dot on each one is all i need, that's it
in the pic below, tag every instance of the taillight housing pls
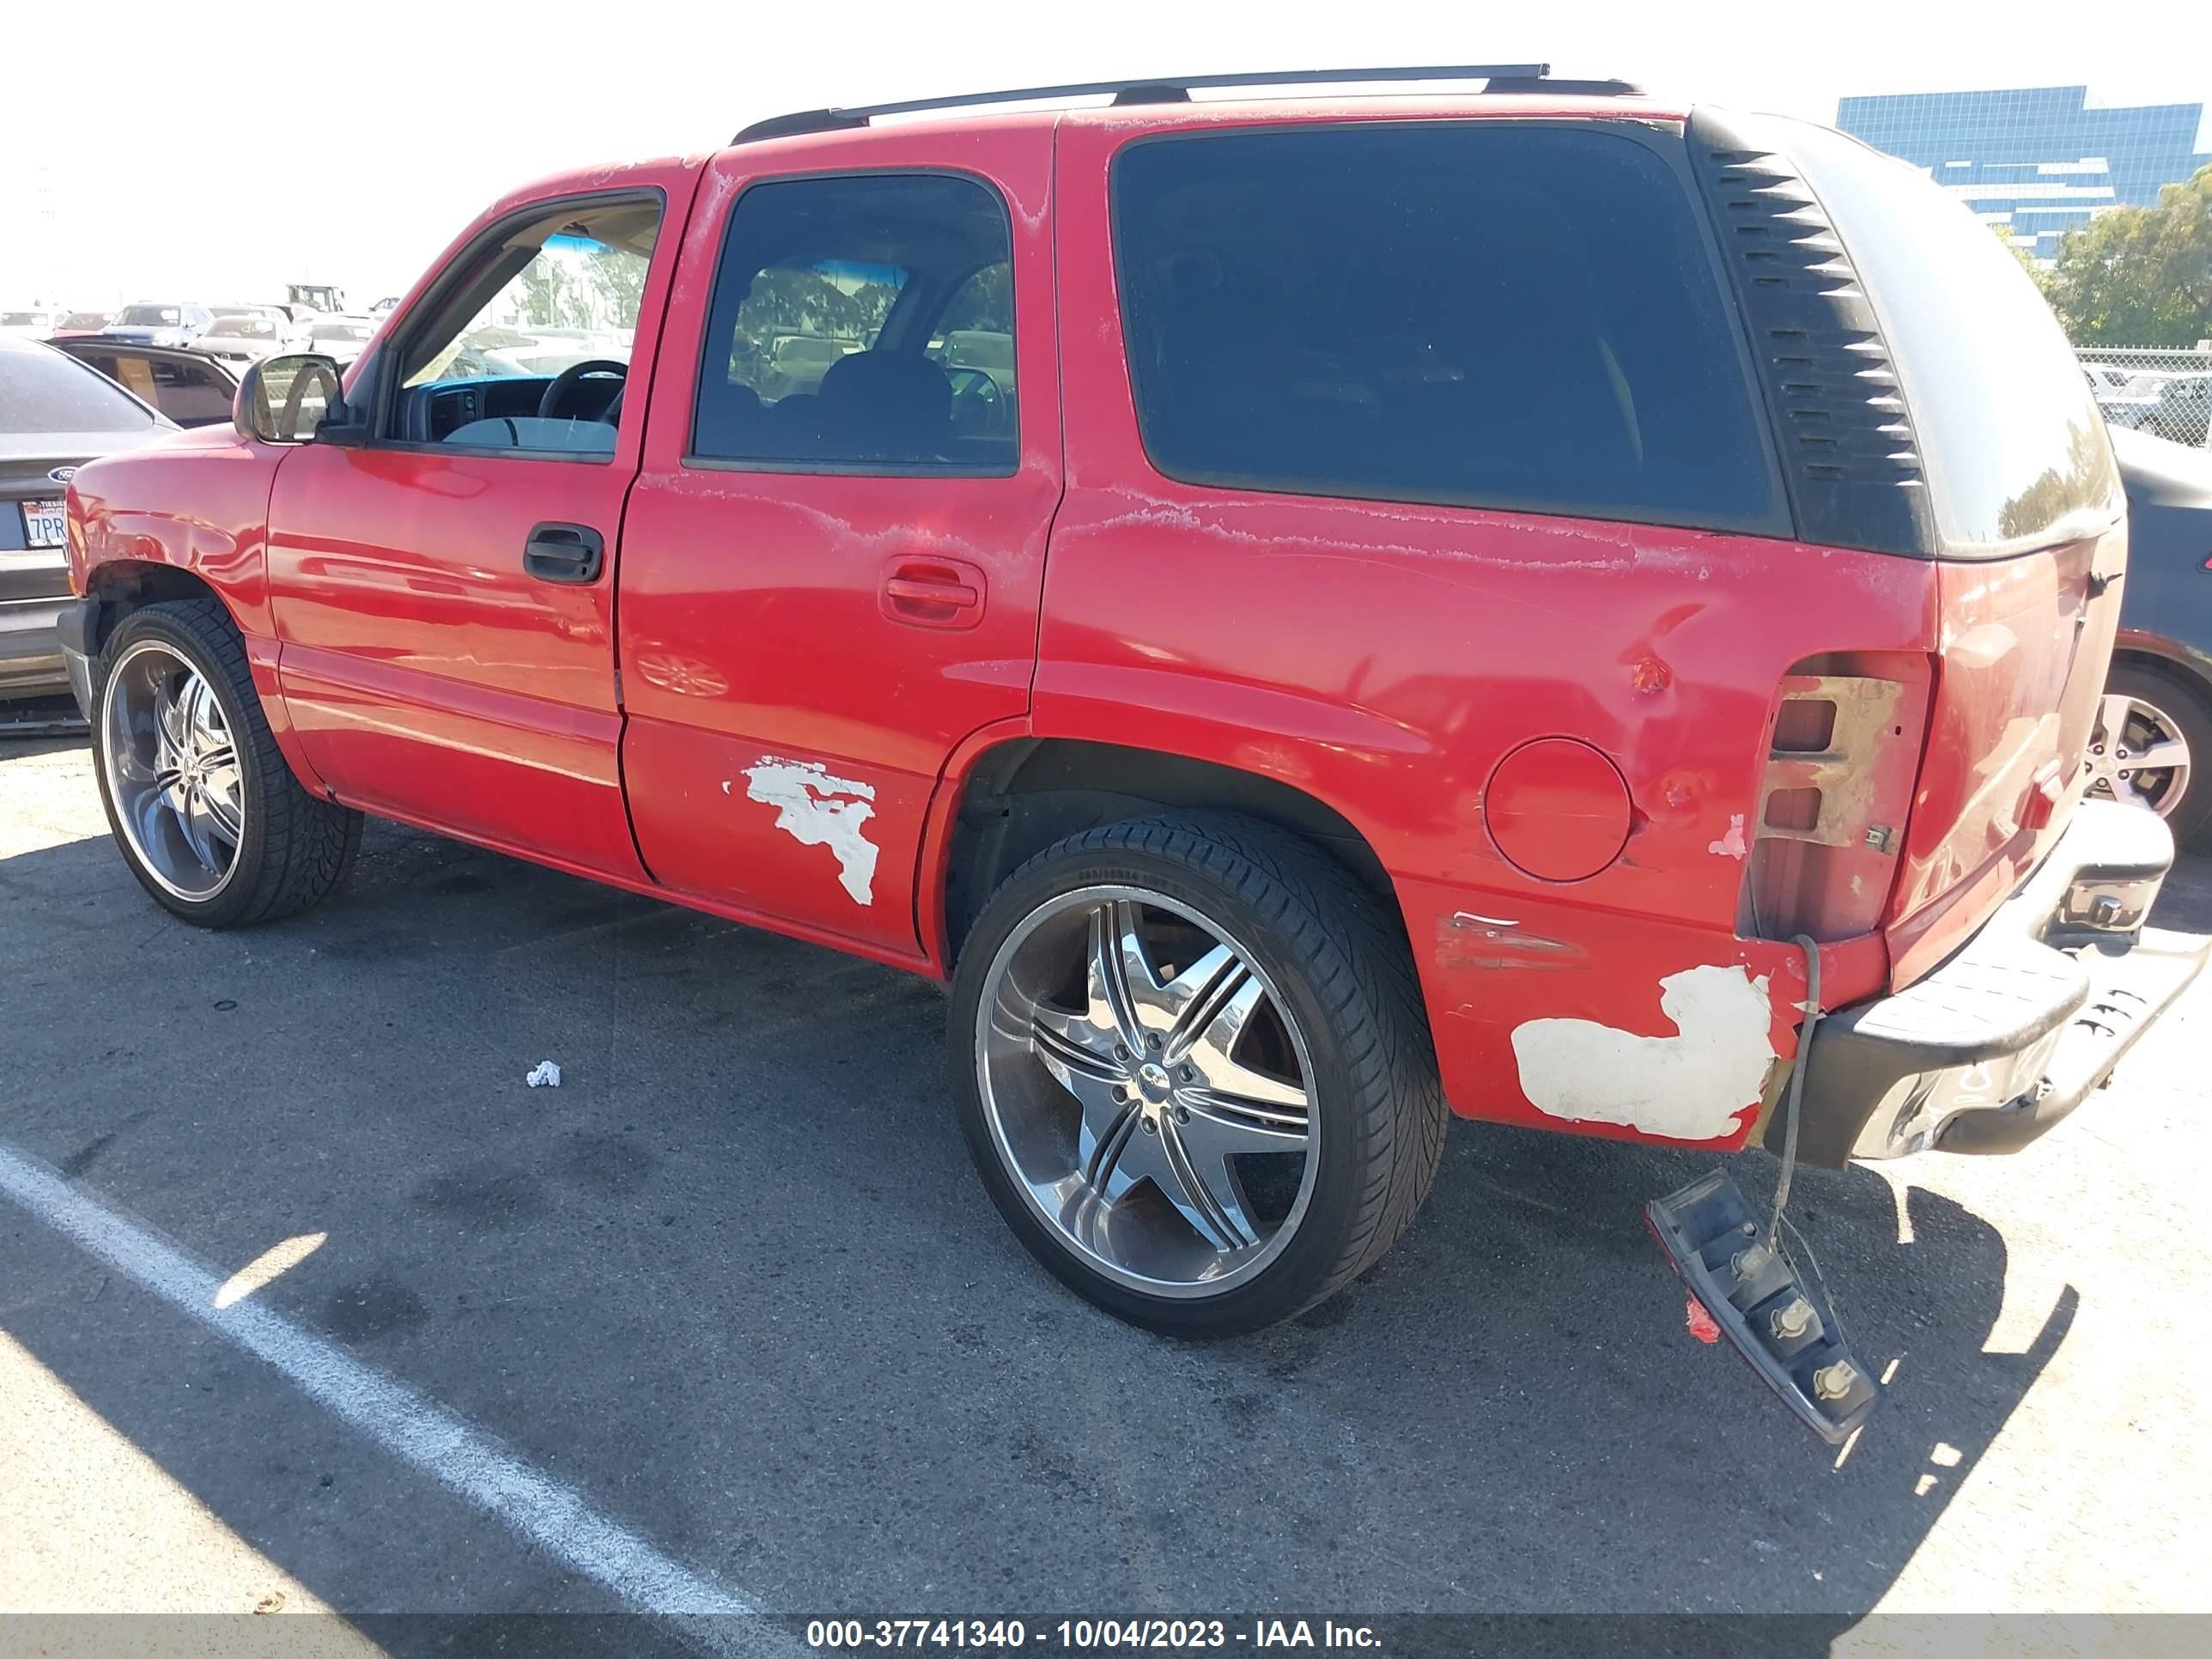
(1843, 752)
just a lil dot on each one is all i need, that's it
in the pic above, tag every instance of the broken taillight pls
(1843, 742)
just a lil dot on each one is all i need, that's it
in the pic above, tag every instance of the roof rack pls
(1177, 88)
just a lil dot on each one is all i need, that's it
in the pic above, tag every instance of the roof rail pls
(1177, 89)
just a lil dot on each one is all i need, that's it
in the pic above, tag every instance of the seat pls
(887, 406)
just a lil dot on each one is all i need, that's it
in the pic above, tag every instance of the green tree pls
(2140, 275)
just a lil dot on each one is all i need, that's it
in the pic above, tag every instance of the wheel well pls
(1023, 796)
(127, 585)
(2182, 673)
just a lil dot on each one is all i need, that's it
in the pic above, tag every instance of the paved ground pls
(734, 1285)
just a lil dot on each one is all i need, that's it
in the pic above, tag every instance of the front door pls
(444, 591)
(832, 559)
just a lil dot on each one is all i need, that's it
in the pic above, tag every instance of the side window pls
(862, 321)
(531, 349)
(1472, 314)
(188, 394)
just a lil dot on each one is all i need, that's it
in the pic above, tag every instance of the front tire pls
(208, 814)
(1194, 1072)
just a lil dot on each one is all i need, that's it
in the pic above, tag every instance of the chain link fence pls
(2166, 393)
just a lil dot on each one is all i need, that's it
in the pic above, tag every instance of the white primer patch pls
(1688, 1087)
(809, 810)
(1731, 845)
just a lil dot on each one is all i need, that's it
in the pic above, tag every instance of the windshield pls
(20, 318)
(247, 328)
(85, 319)
(339, 332)
(149, 317)
(42, 390)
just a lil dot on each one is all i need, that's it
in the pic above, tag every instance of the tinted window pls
(45, 392)
(1474, 314)
(149, 316)
(827, 341)
(2009, 432)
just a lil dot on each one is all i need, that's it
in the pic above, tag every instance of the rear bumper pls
(2021, 1023)
(31, 659)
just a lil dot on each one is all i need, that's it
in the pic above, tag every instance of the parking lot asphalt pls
(734, 1285)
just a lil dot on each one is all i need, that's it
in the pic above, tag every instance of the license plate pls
(44, 525)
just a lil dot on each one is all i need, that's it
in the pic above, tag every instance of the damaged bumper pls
(2022, 1024)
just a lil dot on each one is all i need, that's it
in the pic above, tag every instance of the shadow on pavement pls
(736, 1283)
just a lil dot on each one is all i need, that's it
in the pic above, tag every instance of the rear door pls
(444, 587)
(832, 559)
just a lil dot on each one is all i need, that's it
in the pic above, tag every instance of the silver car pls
(55, 415)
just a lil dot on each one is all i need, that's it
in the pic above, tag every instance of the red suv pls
(1308, 613)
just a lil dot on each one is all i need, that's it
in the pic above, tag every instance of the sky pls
(215, 152)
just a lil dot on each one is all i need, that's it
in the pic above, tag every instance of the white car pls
(33, 324)
(245, 338)
(339, 339)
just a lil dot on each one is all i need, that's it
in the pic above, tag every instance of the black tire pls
(295, 849)
(2186, 708)
(1339, 958)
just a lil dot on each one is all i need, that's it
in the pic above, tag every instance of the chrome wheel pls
(172, 769)
(1147, 1090)
(2143, 759)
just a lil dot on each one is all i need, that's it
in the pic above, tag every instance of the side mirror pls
(287, 399)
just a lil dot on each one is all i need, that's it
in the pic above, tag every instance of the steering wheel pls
(549, 406)
(976, 402)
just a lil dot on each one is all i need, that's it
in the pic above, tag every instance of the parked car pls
(240, 340)
(2184, 415)
(339, 339)
(795, 364)
(2126, 399)
(1544, 737)
(55, 415)
(2156, 735)
(160, 324)
(77, 323)
(33, 324)
(189, 387)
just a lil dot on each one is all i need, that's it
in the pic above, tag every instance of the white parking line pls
(552, 1516)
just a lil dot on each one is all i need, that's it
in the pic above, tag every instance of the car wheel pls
(1194, 1070)
(2165, 741)
(207, 812)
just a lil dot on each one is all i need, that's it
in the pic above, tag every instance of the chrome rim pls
(2147, 764)
(173, 770)
(1148, 1091)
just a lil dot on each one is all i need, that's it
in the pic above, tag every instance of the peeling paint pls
(1692, 1086)
(1731, 845)
(809, 810)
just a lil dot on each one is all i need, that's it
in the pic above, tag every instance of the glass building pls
(2040, 160)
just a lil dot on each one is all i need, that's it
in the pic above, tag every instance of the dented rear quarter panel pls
(1386, 657)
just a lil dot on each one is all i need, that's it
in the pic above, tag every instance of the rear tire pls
(199, 797)
(1240, 1124)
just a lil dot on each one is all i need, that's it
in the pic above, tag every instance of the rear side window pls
(1477, 314)
(44, 392)
(2009, 428)
(862, 322)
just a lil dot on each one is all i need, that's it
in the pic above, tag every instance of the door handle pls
(564, 553)
(932, 593)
